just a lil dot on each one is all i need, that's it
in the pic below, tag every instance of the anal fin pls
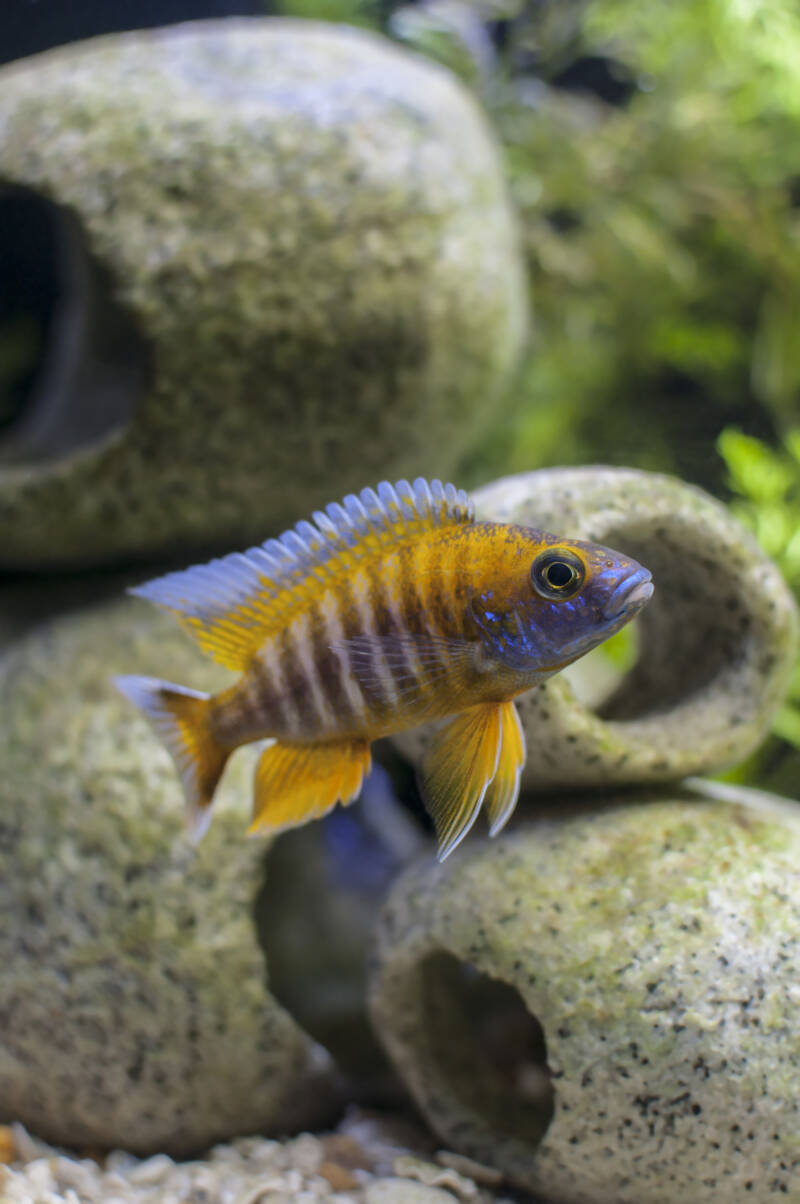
(298, 782)
(475, 760)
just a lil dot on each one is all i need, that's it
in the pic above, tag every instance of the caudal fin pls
(180, 717)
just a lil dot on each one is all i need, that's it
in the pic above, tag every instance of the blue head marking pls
(575, 596)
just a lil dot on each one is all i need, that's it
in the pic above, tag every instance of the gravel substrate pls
(369, 1159)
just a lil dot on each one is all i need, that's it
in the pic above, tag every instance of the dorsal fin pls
(232, 604)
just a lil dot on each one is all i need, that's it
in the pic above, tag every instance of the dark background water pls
(28, 26)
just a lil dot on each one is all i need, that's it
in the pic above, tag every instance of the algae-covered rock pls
(286, 267)
(715, 646)
(134, 1008)
(604, 1006)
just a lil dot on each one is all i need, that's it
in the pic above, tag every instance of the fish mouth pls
(630, 594)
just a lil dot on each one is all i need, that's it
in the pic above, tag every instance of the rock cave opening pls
(487, 1047)
(72, 363)
(684, 638)
(314, 914)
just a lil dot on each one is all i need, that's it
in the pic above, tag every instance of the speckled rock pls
(604, 1006)
(293, 271)
(134, 1008)
(716, 645)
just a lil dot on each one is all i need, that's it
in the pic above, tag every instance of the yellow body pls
(308, 683)
(394, 609)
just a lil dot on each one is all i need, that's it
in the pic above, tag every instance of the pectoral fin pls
(296, 783)
(503, 791)
(457, 770)
(476, 759)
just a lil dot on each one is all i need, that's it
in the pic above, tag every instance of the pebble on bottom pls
(251, 1170)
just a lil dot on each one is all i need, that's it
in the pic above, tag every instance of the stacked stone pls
(282, 263)
(285, 265)
(602, 1002)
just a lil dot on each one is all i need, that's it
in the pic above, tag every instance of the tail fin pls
(180, 717)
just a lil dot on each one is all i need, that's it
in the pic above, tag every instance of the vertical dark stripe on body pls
(402, 663)
(253, 707)
(429, 594)
(339, 625)
(412, 604)
(297, 688)
(371, 664)
(329, 665)
(264, 693)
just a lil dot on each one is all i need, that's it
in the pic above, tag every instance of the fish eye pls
(557, 573)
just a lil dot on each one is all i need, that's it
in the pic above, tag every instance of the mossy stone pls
(715, 646)
(300, 233)
(134, 1006)
(604, 1005)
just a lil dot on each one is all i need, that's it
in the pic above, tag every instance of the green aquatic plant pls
(765, 482)
(654, 157)
(662, 235)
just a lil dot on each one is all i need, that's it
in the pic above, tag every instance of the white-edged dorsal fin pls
(231, 604)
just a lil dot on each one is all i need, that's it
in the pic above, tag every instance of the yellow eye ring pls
(557, 574)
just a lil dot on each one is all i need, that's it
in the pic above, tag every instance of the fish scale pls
(392, 608)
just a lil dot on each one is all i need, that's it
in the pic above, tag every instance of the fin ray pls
(457, 770)
(503, 791)
(475, 760)
(295, 783)
(232, 603)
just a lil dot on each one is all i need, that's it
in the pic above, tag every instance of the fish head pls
(556, 599)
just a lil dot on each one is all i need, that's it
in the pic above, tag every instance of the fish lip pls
(632, 593)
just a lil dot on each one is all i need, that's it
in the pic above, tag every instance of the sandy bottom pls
(370, 1158)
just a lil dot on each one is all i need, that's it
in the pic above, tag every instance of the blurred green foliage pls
(353, 12)
(766, 485)
(765, 482)
(653, 153)
(661, 233)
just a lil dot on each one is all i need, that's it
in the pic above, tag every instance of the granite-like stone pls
(134, 1008)
(604, 1005)
(292, 242)
(716, 645)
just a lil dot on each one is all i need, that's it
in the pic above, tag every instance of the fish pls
(394, 608)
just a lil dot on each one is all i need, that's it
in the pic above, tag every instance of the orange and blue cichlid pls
(390, 610)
